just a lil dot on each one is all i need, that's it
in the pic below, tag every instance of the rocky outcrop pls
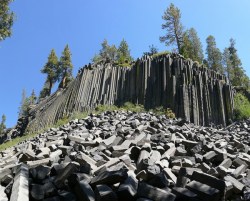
(118, 156)
(196, 94)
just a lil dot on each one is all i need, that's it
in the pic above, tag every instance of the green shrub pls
(103, 108)
(160, 54)
(159, 110)
(78, 115)
(241, 107)
(169, 113)
(62, 121)
(133, 107)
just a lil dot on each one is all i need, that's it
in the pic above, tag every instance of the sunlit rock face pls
(194, 93)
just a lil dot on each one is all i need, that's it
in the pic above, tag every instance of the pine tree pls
(152, 50)
(33, 97)
(26, 102)
(65, 67)
(6, 19)
(2, 124)
(214, 56)
(51, 68)
(107, 54)
(45, 90)
(235, 71)
(24, 107)
(172, 24)
(124, 53)
(192, 47)
(227, 63)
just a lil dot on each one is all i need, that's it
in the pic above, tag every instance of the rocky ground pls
(129, 156)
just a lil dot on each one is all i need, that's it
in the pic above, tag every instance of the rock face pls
(129, 156)
(196, 94)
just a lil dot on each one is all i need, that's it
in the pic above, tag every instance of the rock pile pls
(129, 156)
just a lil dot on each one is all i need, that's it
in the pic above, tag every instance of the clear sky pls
(45, 24)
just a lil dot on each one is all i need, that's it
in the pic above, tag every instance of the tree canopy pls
(173, 26)
(214, 56)
(112, 54)
(6, 19)
(233, 66)
(65, 67)
(51, 68)
(192, 47)
(2, 124)
(26, 102)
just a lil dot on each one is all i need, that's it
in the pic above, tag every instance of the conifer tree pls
(152, 50)
(33, 97)
(26, 102)
(124, 53)
(173, 26)
(24, 107)
(233, 66)
(2, 124)
(45, 90)
(108, 53)
(6, 19)
(214, 56)
(192, 47)
(227, 63)
(65, 67)
(51, 68)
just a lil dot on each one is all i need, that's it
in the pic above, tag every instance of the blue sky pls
(45, 24)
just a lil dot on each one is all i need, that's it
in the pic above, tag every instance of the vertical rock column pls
(20, 188)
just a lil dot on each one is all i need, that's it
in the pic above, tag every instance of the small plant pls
(62, 121)
(103, 108)
(241, 107)
(160, 54)
(78, 115)
(170, 113)
(159, 110)
(133, 107)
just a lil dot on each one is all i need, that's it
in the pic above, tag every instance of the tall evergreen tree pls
(108, 53)
(6, 19)
(192, 47)
(45, 90)
(65, 67)
(227, 63)
(51, 68)
(173, 26)
(124, 53)
(2, 124)
(24, 107)
(234, 67)
(214, 56)
(152, 50)
(33, 97)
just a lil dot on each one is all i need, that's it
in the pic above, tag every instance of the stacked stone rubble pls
(195, 93)
(128, 156)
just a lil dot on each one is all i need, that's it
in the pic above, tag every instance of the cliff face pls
(195, 93)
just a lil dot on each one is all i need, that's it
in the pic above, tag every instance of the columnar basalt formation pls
(194, 93)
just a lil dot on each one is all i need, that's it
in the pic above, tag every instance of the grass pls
(160, 54)
(81, 115)
(17, 140)
(241, 107)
